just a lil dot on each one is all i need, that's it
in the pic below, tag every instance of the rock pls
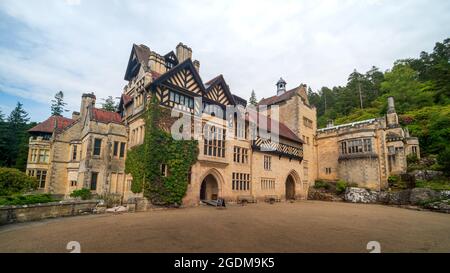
(121, 209)
(131, 207)
(100, 208)
(445, 194)
(314, 194)
(383, 197)
(399, 197)
(360, 195)
(440, 206)
(426, 174)
(419, 195)
(117, 209)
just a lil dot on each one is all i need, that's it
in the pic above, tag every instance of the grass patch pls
(438, 185)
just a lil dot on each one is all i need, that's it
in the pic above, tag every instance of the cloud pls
(83, 46)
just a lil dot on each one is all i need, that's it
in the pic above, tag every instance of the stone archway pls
(290, 188)
(209, 189)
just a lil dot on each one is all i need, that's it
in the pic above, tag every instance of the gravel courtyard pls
(305, 226)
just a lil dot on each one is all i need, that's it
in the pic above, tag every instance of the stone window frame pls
(240, 155)
(214, 141)
(240, 181)
(97, 150)
(267, 163)
(93, 184)
(267, 183)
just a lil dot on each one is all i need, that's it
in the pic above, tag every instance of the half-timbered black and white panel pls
(217, 94)
(185, 79)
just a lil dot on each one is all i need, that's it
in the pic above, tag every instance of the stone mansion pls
(89, 149)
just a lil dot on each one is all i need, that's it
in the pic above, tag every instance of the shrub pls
(84, 194)
(13, 181)
(26, 199)
(111, 199)
(341, 185)
(443, 160)
(319, 184)
(412, 159)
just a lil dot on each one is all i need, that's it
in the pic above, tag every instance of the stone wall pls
(25, 213)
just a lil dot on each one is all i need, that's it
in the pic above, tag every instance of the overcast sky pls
(83, 46)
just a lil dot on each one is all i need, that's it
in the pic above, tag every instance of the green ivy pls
(144, 161)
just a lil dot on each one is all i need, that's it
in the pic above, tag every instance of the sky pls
(80, 46)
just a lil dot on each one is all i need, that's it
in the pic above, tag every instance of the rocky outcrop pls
(426, 174)
(440, 206)
(360, 195)
(314, 194)
(419, 195)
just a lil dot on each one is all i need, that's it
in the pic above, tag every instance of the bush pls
(111, 199)
(13, 181)
(443, 160)
(435, 184)
(341, 185)
(26, 199)
(319, 184)
(84, 194)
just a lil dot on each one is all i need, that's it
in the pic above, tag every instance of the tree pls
(16, 134)
(58, 104)
(3, 139)
(109, 104)
(253, 100)
(444, 160)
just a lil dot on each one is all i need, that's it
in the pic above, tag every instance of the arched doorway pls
(209, 190)
(290, 188)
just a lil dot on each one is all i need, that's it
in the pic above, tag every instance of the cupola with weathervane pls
(281, 86)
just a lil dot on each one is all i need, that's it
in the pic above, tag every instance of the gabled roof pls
(240, 100)
(104, 116)
(187, 64)
(283, 130)
(142, 53)
(125, 100)
(219, 80)
(301, 90)
(53, 123)
(277, 99)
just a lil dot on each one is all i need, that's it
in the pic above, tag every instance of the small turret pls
(281, 86)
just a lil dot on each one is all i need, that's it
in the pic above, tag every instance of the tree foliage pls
(58, 104)
(109, 104)
(13, 181)
(421, 88)
(253, 100)
(144, 162)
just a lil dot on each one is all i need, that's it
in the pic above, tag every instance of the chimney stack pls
(197, 66)
(87, 101)
(75, 115)
(183, 52)
(391, 105)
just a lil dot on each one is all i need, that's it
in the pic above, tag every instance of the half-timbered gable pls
(179, 86)
(218, 91)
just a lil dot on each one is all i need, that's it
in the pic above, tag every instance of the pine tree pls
(253, 100)
(58, 104)
(109, 104)
(16, 134)
(3, 142)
